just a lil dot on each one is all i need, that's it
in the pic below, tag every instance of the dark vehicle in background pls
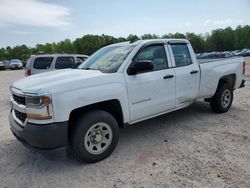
(7, 64)
(15, 64)
(244, 53)
(2, 65)
(24, 62)
(247, 53)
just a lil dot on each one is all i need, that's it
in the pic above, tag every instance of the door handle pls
(194, 72)
(168, 76)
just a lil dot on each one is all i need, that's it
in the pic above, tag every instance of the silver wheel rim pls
(226, 98)
(98, 138)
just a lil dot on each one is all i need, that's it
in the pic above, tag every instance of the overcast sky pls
(39, 21)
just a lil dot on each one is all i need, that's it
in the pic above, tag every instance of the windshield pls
(15, 61)
(108, 59)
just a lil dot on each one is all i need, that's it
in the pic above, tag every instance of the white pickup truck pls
(82, 109)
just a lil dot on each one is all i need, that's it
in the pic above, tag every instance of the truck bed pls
(201, 61)
(213, 69)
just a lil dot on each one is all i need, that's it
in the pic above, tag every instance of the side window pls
(65, 62)
(156, 54)
(42, 62)
(181, 54)
(81, 59)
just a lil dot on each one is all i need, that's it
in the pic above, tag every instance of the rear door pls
(187, 73)
(152, 92)
(41, 64)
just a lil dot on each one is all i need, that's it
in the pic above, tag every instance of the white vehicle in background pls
(119, 85)
(49, 62)
(15, 64)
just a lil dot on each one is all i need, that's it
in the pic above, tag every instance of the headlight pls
(37, 101)
(39, 107)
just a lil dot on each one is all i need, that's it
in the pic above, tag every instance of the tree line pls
(227, 39)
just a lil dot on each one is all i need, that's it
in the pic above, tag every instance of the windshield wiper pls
(87, 68)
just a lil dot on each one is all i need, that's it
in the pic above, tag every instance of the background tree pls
(242, 37)
(221, 40)
(2, 53)
(197, 42)
(218, 40)
(133, 38)
(65, 46)
(149, 36)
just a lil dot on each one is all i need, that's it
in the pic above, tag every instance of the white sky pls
(39, 21)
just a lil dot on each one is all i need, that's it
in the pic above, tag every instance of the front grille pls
(21, 116)
(18, 99)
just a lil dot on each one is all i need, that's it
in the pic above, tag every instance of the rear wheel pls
(95, 136)
(223, 98)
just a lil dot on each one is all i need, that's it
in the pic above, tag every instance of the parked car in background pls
(15, 64)
(43, 63)
(226, 54)
(2, 65)
(247, 53)
(7, 64)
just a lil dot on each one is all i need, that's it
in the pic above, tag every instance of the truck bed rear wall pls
(212, 72)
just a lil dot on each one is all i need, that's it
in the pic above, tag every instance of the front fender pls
(64, 103)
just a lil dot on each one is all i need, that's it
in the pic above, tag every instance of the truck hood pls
(58, 81)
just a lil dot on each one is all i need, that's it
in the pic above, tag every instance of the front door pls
(153, 92)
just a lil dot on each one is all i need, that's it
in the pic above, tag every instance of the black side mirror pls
(140, 66)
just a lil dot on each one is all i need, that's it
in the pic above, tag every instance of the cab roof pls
(142, 42)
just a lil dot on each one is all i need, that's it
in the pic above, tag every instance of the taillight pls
(28, 73)
(244, 67)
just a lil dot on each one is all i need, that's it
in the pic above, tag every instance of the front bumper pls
(15, 67)
(41, 137)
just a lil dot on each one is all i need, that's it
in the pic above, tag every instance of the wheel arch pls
(111, 106)
(229, 79)
(226, 79)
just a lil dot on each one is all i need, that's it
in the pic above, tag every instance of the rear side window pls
(65, 62)
(42, 62)
(181, 54)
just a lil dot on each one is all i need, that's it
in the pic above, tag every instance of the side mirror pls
(140, 66)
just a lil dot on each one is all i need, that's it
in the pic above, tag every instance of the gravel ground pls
(192, 147)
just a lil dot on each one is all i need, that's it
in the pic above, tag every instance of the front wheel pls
(94, 137)
(223, 98)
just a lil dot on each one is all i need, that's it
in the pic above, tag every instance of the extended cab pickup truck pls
(82, 109)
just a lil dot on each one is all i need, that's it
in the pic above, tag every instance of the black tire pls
(83, 126)
(217, 100)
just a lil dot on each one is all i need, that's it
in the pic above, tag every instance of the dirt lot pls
(188, 148)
